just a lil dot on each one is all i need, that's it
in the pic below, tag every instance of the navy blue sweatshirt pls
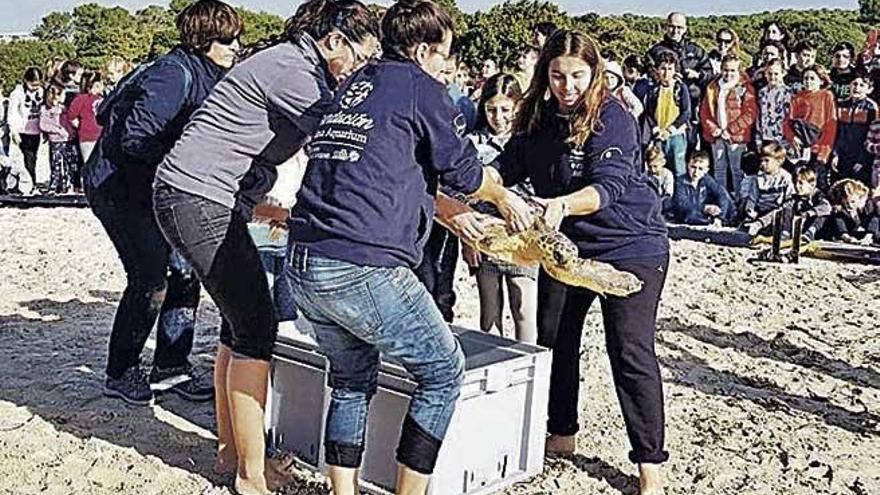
(146, 120)
(628, 224)
(374, 166)
(688, 201)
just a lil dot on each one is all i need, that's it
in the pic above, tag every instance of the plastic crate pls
(497, 433)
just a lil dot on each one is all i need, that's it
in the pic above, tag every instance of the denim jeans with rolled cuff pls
(159, 286)
(215, 241)
(358, 313)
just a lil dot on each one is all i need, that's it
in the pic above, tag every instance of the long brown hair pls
(584, 118)
(499, 84)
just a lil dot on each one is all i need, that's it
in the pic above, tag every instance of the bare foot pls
(279, 469)
(251, 486)
(560, 445)
(650, 479)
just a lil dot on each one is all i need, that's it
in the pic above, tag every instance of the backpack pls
(102, 115)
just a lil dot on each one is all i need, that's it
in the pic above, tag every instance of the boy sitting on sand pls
(808, 202)
(855, 219)
(698, 198)
(764, 193)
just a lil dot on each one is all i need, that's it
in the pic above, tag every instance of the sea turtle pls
(556, 253)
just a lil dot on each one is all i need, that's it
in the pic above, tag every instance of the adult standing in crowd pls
(363, 214)
(258, 117)
(23, 117)
(773, 50)
(726, 41)
(142, 120)
(774, 32)
(581, 151)
(694, 66)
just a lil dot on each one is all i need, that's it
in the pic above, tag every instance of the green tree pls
(100, 32)
(259, 26)
(869, 10)
(55, 26)
(503, 30)
(16, 56)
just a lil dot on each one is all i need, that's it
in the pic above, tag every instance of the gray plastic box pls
(497, 433)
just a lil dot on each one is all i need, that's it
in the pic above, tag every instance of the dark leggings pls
(30, 143)
(159, 286)
(437, 270)
(215, 240)
(629, 340)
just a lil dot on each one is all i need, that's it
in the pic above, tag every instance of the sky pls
(24, 15)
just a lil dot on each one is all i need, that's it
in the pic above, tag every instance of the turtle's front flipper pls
(599, 277)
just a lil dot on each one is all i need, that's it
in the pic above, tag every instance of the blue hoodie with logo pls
(628, 224)
(375, 164)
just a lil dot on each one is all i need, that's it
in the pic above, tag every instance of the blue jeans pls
(275, 255)
(726, 155)
(675, 151)
(359, 312)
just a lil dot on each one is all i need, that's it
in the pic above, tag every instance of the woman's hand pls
(515, 211)
(471, 225)
(555, 210)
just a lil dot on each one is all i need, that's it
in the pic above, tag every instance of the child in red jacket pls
(811, 125)
(728, 112)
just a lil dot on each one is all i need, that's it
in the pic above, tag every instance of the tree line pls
(92, 33)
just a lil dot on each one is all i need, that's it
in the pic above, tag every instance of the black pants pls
(159, 286)
(437, 270)
(215, 240)
(629, 340)
(30, 143)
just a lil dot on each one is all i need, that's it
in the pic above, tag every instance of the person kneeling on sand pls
(363, 213)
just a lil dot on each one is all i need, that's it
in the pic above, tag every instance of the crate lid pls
(480, 348)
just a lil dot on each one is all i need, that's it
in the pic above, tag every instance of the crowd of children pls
(56, 104)
(725, 143)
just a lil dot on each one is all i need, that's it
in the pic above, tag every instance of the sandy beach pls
(771, 375)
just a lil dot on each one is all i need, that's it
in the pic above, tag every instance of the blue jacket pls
(628, 224)
(649, 119)
(374, 166)
(688, 201)
(148, 113)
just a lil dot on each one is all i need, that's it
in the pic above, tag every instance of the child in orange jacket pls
(811, 125)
